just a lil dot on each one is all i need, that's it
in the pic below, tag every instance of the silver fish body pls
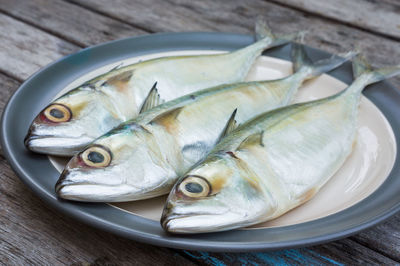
(270, 164)
(148, 154)
(75, 119)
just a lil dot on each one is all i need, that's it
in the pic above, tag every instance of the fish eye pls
(96, 156)
(195, 186)
(58, 113)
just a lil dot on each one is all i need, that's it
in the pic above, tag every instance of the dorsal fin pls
(153, 99)
(116, 67)
(251, 141)
(230, 125)
(121, 78)
(167, 118)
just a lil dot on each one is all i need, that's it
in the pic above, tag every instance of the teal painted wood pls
(302, 256)
(343, 252)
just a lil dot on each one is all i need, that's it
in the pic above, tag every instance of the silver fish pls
(270, 164)
(75, 119)
(144, 157)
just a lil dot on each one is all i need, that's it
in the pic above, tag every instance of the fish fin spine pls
(230, 126)
(152, 100)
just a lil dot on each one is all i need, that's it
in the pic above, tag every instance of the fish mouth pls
(92, 192)
(84, 191)
(199, 222)
(55, 145)
(79, 192)
(87, 191)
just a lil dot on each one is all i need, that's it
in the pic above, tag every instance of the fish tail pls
(302, 63)
(365, 74)
(264, 34)
(362, 68)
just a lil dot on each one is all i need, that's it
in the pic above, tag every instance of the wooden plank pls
(238, 16)
(344, 252)
(32, 234)
(25, 49)
(381, 17)
(68, 21)
(384, 238)
(7, 88)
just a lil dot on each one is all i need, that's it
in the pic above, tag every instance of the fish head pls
(119, 166)
(213, 197)
(70, 122)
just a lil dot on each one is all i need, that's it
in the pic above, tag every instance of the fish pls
(270, 164)
(75, 119)
(143, 158)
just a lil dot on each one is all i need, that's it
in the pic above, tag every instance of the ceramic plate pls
(363, 192)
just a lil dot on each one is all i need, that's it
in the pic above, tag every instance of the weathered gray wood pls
(381, 17)
(238, 16)
(69, 21)
(384, 238)
(344, 252)
(7, 87)
(25, 49)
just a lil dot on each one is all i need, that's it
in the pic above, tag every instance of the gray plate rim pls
(39, 175)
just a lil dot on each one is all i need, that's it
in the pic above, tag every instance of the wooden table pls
(36, 32)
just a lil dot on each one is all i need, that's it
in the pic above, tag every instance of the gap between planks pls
(331, 19)
(54, 33)
(109, 16)
(11, 76)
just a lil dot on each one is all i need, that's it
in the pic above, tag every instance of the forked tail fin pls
(302, 63)
(364, 74)
(263, 32)
(362, 67)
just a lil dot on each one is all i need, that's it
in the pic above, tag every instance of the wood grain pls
(238, 16)
(384, 237)
(28, 49)
(344, 252)
(381, 17)
(69, 21)
(7, 87)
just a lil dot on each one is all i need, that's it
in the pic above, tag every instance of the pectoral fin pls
(167, 119)
(153, 99)
(252, 141)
